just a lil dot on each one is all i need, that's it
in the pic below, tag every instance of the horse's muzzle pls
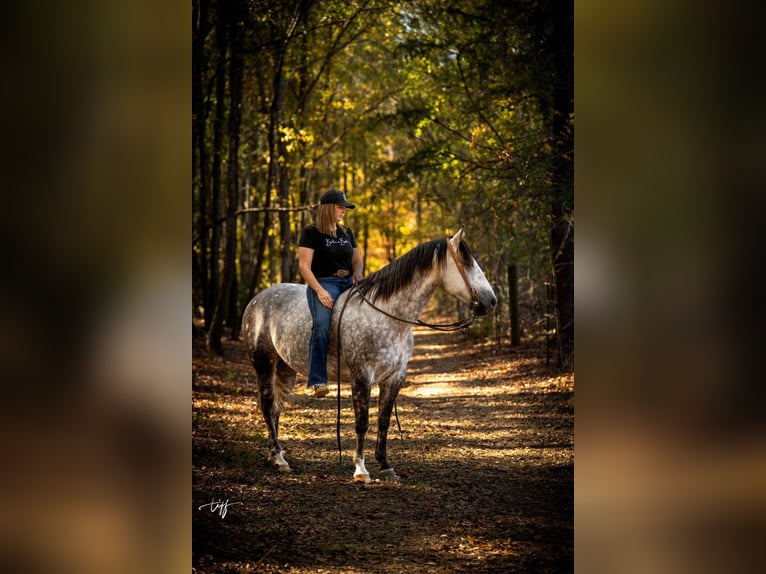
(482, 309)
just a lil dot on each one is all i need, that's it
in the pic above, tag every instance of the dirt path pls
(486, 459)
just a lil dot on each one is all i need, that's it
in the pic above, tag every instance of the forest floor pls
(486, 460)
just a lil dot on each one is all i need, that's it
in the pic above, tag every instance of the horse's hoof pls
(283, 468)
(365, 478)
(388, 474)
(280, 463)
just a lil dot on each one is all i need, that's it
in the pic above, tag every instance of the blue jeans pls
(320, 331)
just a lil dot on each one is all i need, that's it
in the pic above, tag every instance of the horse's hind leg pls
(270, 408)
(286, 377)
(388, 394)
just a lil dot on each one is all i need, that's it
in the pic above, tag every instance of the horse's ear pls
(455, 239)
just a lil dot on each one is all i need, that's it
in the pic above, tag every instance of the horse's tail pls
(284, 383)
(275, 380)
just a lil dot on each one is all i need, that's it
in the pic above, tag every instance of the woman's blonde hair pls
(325, 221)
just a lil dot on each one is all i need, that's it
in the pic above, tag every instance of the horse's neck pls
(409, 303)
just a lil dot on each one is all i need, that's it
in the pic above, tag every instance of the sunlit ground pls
(483, 455)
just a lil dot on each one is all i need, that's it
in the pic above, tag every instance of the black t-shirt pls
(330, 253)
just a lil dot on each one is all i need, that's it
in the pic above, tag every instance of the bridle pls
(458, 325)
(461, 269)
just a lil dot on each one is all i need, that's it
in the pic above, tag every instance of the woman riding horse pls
(329, 262)
(371, 341)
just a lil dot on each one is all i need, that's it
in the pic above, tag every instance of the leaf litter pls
(485, 456)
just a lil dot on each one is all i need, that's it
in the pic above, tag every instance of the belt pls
(342, 273)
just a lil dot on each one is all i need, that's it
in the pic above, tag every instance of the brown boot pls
(321, 390)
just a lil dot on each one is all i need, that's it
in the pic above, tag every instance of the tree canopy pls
(429, 114)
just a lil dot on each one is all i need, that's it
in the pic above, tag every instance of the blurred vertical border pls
(96, 289)
(669, 182)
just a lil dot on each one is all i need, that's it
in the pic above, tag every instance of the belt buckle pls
(342, 273)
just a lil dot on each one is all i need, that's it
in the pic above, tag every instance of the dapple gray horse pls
(376, 339)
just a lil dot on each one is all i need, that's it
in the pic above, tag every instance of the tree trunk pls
(513, 289)
(235, 119)
(236, 70)
(272, 174)
(285, 236)
(215, 216)
(261, 249)
(234, 312)
(199, 157)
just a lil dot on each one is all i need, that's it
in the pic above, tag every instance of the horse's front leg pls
(360, 393)
(388, 394)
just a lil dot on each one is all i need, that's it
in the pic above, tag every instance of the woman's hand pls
(325, 298)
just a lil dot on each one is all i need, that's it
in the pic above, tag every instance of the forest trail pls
(486, 459)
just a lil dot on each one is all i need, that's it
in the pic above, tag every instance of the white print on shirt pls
(329, 242)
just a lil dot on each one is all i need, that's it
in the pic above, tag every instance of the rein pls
(337, 421)
(457, 326)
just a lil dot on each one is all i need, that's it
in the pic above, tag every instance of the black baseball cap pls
(336, 197)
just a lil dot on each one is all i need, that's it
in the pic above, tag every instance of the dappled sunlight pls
(485, 457)
(436, 352)
(425, 349)
(443, 388)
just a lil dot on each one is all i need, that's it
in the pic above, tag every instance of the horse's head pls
(464, 279)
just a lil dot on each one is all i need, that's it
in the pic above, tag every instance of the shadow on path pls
(486, 460)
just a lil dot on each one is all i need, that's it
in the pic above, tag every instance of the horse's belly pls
(385, 363)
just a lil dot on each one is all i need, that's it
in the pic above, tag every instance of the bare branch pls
(261, 209)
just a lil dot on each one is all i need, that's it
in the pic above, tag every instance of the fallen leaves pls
(486, 466)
